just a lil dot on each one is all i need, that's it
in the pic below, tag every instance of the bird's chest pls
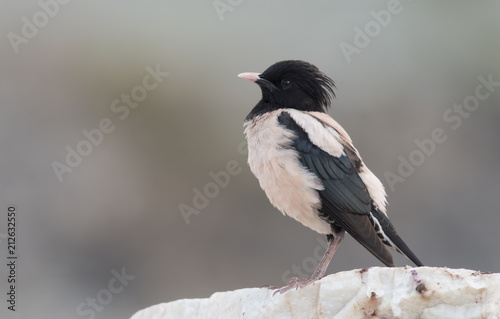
(289, 186)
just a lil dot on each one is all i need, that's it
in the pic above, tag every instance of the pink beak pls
(249, 76)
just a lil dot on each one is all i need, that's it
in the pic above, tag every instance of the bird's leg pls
(327, 257)
(297, 283)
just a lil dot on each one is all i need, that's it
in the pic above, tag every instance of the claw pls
(269, 287)
(295, 283)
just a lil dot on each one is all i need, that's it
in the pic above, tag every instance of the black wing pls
(345, 200)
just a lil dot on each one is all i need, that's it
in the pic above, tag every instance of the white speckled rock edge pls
(369, 293)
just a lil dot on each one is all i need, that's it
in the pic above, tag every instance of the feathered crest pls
(314, 82)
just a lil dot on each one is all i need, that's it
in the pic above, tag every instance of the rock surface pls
(369, 293)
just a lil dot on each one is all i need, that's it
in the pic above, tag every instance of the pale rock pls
(404, 293)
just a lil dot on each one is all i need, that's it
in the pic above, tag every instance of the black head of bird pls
(294, 84)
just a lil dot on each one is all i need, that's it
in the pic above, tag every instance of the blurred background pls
(119, 208)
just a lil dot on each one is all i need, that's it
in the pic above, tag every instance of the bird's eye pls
(286, 83)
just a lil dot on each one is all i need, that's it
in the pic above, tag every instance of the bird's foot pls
(296, 283)
(269, 287)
